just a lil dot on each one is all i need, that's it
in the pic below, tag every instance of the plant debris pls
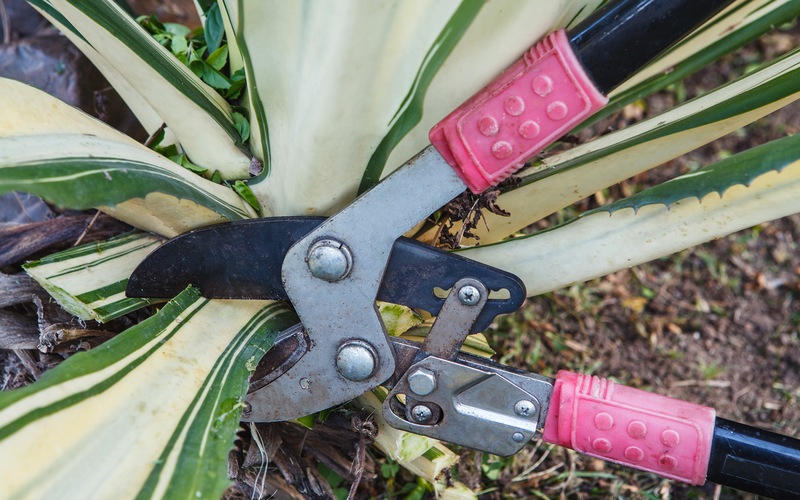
(458, 218)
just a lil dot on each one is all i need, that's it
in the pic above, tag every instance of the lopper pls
(333, 270)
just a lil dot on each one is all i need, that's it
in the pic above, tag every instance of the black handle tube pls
(623, 36)
(754, 460)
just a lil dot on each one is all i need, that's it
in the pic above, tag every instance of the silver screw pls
(469, 295)
(356, 360)
(421, 414)
(422, 381)
(518, 437)
(524, 408)
(329, 260)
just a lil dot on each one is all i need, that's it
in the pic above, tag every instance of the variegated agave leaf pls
(55, 151)
(560, 180)
(355, 86)
(154, 81)
(758, 185)
(151, 413)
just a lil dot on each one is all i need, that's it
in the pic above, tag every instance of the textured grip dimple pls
(632, 427)
(530, 105)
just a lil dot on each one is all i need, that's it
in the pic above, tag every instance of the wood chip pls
(18, 242)
(18, 289)
(18, 331)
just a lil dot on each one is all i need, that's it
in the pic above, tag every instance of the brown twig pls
(366, 434)
(149, 141)
(55, 336)
(29, 363)
(86, 230)
(16, 195)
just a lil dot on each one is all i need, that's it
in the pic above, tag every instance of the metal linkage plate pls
(469, 401)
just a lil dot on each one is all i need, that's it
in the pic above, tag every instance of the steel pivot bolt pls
(422, 381)
(469, 295)
(421, 414)
(329, 260)
(524, 408)
(356, 360)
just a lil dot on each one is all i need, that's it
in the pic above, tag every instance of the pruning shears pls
(333, 270)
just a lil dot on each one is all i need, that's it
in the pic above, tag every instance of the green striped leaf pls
(89, 281)
(26, 110)
(410, 112)
(71, 159)
(144, 112)
(240, 58)
(200, 119)
(151, 413)
(129, 182)
(74, 160)
(739, 192)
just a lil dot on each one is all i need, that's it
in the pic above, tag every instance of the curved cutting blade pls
(236, 260)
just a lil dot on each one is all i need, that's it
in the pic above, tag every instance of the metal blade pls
(242, 260)
(236, 260)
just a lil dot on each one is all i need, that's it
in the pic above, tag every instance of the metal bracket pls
(485, 408)
(460, 311)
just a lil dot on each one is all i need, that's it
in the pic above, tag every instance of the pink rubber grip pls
(595, 416)
(530, 105)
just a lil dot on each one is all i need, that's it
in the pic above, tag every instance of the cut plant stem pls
(89, 281)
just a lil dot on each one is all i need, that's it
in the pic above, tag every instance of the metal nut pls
(469, 295)
(422, 381)
(329, 260)
(356, 360)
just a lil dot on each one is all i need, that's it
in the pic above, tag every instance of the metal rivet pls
(422, 381)
(421, 414)
(329, 260)
(524, 408)
(356, 360)
(305, 383)
(518, 437)
(469, 295)
(246, 409)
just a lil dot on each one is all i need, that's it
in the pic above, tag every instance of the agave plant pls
(323, 100)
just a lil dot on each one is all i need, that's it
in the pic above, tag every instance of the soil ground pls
(717, 325)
